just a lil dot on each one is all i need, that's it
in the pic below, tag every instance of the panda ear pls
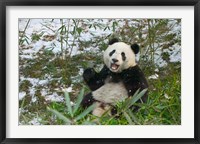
(112, 41)
(135, 48)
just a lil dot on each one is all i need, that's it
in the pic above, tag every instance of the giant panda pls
(119, 79)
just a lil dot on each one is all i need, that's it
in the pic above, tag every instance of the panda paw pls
(88, 74)
(87, 100)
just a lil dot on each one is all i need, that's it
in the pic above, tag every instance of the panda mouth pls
(114, 66)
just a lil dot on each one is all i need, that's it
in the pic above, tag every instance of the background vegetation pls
(54, 52)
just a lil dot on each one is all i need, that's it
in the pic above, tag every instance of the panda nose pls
(114, 60)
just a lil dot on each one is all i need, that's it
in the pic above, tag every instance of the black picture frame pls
(5, 3)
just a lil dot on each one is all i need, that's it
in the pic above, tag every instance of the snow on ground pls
(35, 121)
(35, 83)
(49, 27)
(175, 55)
(155, 76)
(69, 89)
(22, 95)
(54, 97)
(50, 39)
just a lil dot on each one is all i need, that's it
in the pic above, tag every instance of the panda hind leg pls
(101, 109)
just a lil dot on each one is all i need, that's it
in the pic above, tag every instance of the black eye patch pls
(123, 56)
(111, 53)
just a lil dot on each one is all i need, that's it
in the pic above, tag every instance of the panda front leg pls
(87, 100)
(92, 79)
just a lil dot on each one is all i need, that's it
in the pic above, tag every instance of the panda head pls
(119, 55)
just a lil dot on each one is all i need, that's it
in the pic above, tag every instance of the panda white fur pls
(120, 78)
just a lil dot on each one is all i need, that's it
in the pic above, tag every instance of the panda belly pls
(110, 93)
(107, 96)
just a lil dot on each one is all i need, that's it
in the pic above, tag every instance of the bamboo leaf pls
(60, 28)
(128, 118)
(88, 123)
(59, 115)
(65, 30)
(74, 22)
(137, 97)
(84, 113)
(79, 99)
(130, 113)
(79, 30)
(127, 103)
(26, 41)
(69, 107)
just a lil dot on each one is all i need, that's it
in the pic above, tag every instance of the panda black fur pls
(120, 78)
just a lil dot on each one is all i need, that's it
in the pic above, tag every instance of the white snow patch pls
(26, 56)
(35, 121)
(92, 50)
(34, 99)
(28, 51)
(155, 76)
(69, 89)
(158, 58)
(43, 82)
(43, 92)
(35, 81)
(54, 97)
(175, 55)
(32, 91)
(73, 51)
(22, 110)
(22, 95)
(81, 70)
(32, 94)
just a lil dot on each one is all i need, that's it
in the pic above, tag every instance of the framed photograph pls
(99, 71)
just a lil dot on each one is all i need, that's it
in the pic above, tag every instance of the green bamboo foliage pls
(74, 116)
